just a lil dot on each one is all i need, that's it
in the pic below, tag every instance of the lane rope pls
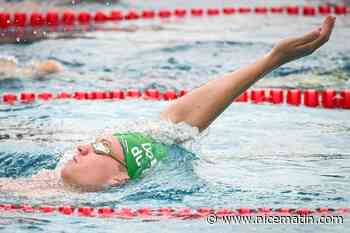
(54, 19)
(327, 98)
(167, 212)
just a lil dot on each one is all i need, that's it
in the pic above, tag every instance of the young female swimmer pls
(115, 159)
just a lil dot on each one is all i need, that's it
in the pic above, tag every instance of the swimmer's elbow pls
(171, 117)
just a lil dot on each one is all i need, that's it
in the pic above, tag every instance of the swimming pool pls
(252, 156)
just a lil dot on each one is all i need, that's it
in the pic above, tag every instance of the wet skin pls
(91, 171)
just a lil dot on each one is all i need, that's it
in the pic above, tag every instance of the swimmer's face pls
(91, 171)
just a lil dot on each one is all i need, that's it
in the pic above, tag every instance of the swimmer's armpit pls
(203, 105)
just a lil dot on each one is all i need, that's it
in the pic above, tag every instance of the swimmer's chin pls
(70, 185)
(74, 186)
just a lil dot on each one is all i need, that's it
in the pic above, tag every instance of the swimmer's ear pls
(118, 180)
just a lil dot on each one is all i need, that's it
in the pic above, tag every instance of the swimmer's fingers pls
(322, 37)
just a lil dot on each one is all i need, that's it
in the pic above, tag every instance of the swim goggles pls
(104, 147)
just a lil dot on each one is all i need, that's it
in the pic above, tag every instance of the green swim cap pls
(141, 152)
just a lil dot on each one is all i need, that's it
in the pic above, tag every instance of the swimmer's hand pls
(296, 47)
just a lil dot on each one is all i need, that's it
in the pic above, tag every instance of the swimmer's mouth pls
(75, 159)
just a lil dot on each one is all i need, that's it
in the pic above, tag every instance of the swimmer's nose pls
(83, 149)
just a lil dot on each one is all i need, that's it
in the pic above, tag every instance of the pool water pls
(252, 156)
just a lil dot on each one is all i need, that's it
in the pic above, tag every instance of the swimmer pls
(37, 70)
(115, 159)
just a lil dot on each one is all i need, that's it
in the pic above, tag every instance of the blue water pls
(252, 156)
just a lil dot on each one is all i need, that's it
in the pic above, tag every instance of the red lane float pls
(164, 14)
(196, 12)
(84, 17)
(45, 96)
(244, 9)
(98, 95)
(79, 95)
(46, 209)
(276, 96)
(328, 98)
(229, 10)
(340, 9)
(148, 14)
(179, 12)
(9, 98)
(324, 9)
(116, 16)
(168, 212)
(100, 17)
(37, 19)
(68, 18)
(169, 95)
(345, 99)
(153, 94)
(52, 18)
(261, 10)
(20, 19)
(294, 97)
(118, 94)
(27, 97)
(5, 21)
(132, 15)
(213, 11)
(277, 9)
(257, 96)
(309, 11)
(311, 98)
(293, 10)
(63, 95)
(134, 93)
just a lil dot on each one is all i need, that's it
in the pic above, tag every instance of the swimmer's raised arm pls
(203, 105)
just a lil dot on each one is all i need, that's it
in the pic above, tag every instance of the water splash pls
(162, 131)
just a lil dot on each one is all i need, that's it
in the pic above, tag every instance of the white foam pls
(67, 155)
(162, 131)
(10, 59)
